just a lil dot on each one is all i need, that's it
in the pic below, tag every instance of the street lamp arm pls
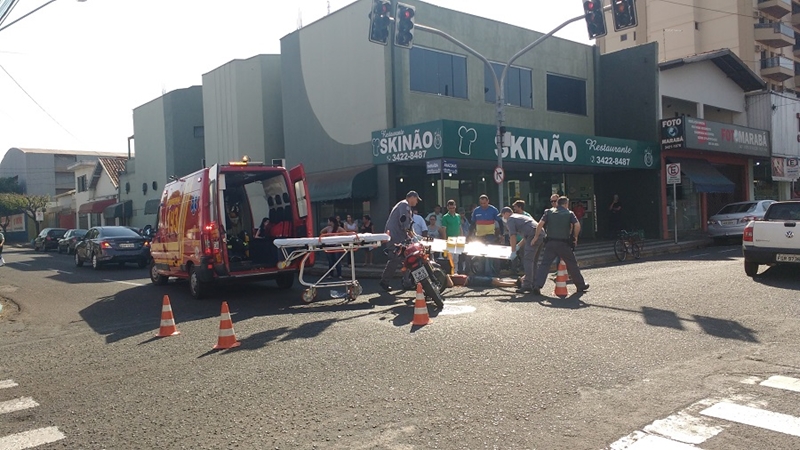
(29, 13)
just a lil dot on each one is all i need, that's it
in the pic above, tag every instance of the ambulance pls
(207, 222)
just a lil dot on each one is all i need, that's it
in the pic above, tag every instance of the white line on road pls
(5, 384)
(17, 404)
(700, 254)
(730, 250)
(61, 271)
(642, 441)
(22, 263)
(761, 418)
(30, 439)
(123, 282)
(781, 382)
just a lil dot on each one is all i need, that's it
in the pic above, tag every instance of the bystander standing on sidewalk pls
(419, 227)
(452, 228)
(437, 211)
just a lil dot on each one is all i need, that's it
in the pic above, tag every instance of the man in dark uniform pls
(397, 226)
(562, 235)
(525, 226)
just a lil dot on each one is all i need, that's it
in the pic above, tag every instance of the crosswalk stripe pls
(30, 439)
(652, 442)
(5, 384)
(17, 405)
(781, 382)
(761, 418)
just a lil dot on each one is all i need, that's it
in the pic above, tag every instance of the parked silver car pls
(733, 217)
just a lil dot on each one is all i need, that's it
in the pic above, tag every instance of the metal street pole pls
(499, 84)
(29, 13)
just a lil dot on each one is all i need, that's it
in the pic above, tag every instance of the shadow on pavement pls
(782, 276)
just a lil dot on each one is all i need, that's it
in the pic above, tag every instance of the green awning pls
(119, 210)
(359, 182)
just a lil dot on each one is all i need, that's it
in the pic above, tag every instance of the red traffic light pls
(408, 13)
(589, 6)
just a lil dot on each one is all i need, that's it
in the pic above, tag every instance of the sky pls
(72, 72)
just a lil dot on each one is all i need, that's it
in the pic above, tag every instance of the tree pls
(10, 185)
(10, 204)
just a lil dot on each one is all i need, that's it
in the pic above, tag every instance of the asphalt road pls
(655, 344)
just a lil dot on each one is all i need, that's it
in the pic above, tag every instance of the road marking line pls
(730, 250)
(701, 254)
(781, 382)
(30, 439)
(684, 427)
(643, 441)
(61, 271)
(21, 263)
(123, 282)
(761, 418)
(17, 405)
(4, 384)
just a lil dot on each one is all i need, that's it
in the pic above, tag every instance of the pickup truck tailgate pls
(782, 235)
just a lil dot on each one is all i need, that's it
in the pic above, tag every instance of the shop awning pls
(119, 210)
(705, 178)
(96, 207)
(151, 206)
(353, 182)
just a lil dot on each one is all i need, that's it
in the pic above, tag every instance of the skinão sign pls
(451, 139)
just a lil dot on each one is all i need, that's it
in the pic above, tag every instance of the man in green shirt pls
(452, 225)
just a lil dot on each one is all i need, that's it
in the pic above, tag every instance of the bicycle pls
(627, 243)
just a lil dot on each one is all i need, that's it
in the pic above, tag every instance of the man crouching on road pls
(562, 235)
(525, 226)
(397, 226)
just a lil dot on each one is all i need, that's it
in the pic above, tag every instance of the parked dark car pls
(71, 238)
(112, 244)
(48, 239)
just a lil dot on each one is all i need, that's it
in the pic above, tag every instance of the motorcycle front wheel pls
(432, 293)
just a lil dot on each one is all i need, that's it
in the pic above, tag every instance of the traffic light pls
(595, 19)
(404, 25)
(624, 14)
(379, 21)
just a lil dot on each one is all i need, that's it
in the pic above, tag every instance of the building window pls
(82, 183)
(437, 72)
(518, 85)
(565, 94)
(199, 132)
(623, 37)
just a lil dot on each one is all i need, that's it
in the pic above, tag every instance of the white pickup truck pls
(775, 239)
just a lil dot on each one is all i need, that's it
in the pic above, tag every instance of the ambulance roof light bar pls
(245, 162)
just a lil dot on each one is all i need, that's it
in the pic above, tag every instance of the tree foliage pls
(10, 185)
(11, 204)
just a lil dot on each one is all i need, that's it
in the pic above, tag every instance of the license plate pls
(729, 222)
(126, 245)
(787, 258)
(419, 274)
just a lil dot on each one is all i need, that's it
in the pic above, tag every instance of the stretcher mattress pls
(473, 248)
(361, 238)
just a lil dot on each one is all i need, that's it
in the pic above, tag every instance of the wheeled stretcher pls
(459, 246)
(344, 243)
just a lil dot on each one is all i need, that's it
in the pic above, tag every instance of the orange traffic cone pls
(227, 337)
(561, 280)
(421, 316)
(167, 321)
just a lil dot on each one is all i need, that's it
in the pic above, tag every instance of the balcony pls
(777, 68)
(775, 8)
(775, 35)
(794, 19)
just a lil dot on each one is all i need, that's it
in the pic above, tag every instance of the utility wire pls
(717, 10)
(37, 103)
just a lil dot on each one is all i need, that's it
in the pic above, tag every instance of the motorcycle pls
(419, 268)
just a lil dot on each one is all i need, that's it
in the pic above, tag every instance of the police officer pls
(525, 226)
(397, 225)
(562, 235)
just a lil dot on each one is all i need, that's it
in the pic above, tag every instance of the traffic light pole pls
(499, 84)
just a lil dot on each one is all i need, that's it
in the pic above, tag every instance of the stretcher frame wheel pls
(354, 290)
(309, 295)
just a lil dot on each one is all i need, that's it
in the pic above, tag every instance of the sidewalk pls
(588, 255)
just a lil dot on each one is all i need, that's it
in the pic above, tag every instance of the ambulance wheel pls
(155, 277)
(309, 295)
(285, 280)
(196, 287)
(354, 290)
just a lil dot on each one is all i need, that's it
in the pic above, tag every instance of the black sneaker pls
(583, 288)
(386, 286)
